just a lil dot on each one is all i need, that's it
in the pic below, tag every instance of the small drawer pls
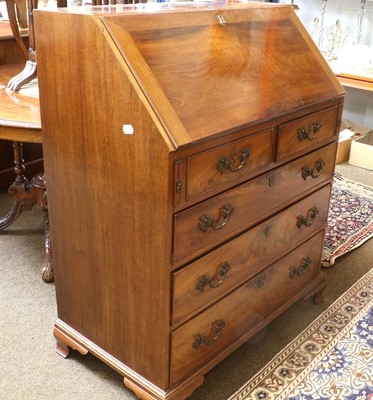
(209, 278)
(208, 223)
(213, 168)
(305, 132)
(202, 338)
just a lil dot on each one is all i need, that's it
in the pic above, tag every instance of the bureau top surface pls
(214, 68)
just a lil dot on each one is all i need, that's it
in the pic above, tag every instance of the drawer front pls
(203, 337)
(305, 132)
(227, 163)
(212, 276)
(210, 222)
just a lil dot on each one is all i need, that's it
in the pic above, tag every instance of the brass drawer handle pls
(294, 271)
(308, 221)
(200, 339)
(231, 165)
(314, 172)
(214, 282)
(207, 222)
(311, 132)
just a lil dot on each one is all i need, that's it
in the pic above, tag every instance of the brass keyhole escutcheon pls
(260, 282)
(267, 230)
(221, 19)
(272, 180)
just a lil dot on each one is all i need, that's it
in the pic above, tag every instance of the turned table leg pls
(26, 196)
(38, 183)
(21, 188)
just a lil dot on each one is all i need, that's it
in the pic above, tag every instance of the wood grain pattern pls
(121, 175)
(242, 308)
(247, 255)
(290, 143)
(19, 121)
(5, 30)
(10, 52)
(252, 201)
(135, 134)
(204, 173)
(358, 82)
(239, 69)
(19, 112)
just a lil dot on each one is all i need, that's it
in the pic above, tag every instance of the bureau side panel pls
(108, 195)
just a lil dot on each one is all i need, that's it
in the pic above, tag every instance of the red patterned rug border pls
(340, 239)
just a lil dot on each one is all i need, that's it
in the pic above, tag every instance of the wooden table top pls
(20, 111)
(5, 30)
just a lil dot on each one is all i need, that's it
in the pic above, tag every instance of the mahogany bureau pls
(189, 155)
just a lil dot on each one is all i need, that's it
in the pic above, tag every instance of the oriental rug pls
(350, 218)
(332, 359)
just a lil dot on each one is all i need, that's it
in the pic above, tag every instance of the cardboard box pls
(361, 153)
(354, 126)
(349, 131)
(343, 152)
(344, 145)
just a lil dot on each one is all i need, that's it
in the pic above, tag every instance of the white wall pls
(359, 107)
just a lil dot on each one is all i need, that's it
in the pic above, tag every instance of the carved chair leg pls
(28, 73)
(38, 182)
(21, 188)
(30, 70)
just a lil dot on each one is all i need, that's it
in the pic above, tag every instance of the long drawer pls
(203, 337)
(212, 276)
(210, 222)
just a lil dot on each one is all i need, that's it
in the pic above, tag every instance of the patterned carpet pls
(331, 360)
(350, 220)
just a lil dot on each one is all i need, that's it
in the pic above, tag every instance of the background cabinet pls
(359, 97)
